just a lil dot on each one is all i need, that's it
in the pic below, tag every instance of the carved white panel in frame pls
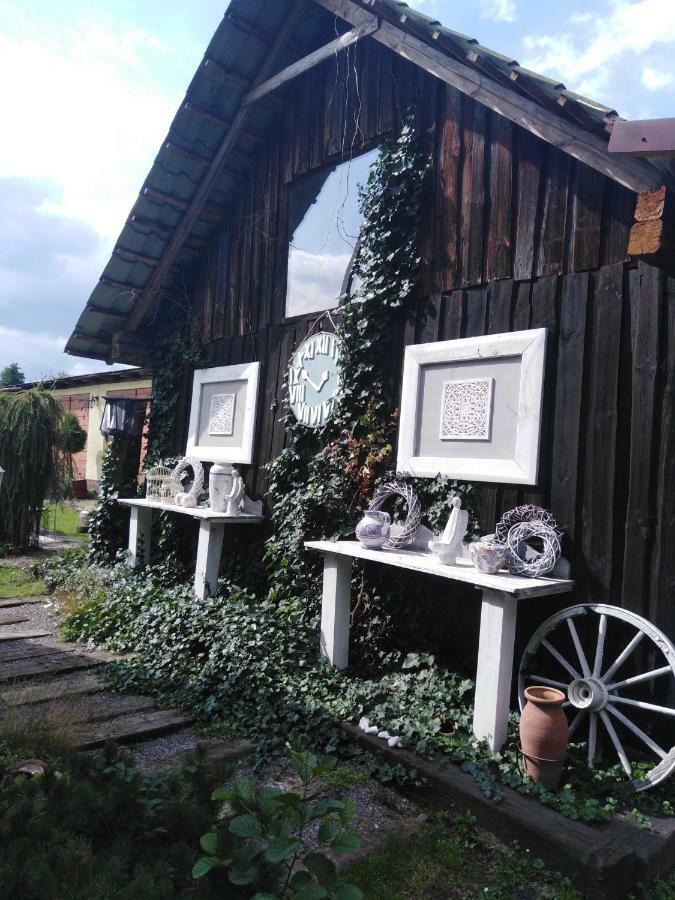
(518, 467)
(219, 380)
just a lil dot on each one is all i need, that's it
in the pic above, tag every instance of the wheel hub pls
(587, 693)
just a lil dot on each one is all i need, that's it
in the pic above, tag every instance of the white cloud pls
(85, 113)
(314, 280)
(498, 10)
(655, 79)
(587, 53)
(39, 355)
(89, 366)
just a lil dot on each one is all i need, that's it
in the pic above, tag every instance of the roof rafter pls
(312, 59)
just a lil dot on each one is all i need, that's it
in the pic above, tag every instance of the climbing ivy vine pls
(322, 481)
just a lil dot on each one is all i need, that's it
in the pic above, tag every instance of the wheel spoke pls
(638, 731)
(623, 656)
(576, 721)
(592, 737)
(548, 681)
(561, 659)
(637, 679)
(585, 668)
(600, 648)
(617, 743)
(642, 704)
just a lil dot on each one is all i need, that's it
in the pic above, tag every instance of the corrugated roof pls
(231, 62)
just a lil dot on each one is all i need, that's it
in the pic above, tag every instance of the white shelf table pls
(209, 547)
(500, 596)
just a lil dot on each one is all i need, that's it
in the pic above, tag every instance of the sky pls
(89, 88)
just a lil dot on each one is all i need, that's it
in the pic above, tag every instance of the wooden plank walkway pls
(41, 675)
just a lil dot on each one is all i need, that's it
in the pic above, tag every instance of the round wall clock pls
(314, 379)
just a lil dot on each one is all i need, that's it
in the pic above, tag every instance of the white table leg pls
(209, 548)
(140, 528)
(495, 667)
(337, 584)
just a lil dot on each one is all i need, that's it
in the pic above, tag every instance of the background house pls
(527, 219)
(85, 396)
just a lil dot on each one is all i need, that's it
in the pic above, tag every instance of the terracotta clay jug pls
(543, 735)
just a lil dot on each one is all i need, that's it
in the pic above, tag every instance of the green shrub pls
(29, 423)
(92, 830)
(266, 834)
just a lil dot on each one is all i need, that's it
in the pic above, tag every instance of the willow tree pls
(29, 440)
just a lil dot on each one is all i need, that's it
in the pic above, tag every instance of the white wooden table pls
(500, 596)
(209, 547)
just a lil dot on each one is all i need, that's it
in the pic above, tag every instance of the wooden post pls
(140, 527)
(495, 667)
(209, 548)
(337, 582)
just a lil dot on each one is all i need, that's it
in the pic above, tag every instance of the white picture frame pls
(240, 451)
(519, 467)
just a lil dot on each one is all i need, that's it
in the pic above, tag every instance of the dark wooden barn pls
(527, 220)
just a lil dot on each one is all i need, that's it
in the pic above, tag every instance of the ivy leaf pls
(246, 826)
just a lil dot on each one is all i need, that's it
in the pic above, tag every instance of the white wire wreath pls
(412, 522)
(522, 559)
(527, 513)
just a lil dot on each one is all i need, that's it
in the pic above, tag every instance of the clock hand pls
(317, 387)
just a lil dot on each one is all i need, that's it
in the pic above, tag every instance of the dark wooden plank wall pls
(515, 234)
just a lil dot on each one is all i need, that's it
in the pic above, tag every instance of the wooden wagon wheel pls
(596, 690)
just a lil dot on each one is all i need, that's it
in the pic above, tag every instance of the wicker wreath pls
(412, 522)
(517, 546)
(188, 462)
(527, 513)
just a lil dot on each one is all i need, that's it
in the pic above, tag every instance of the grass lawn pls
(17, 582)
(62, 518)
(452, 858)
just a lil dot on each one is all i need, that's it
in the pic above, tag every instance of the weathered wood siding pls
(515, 234)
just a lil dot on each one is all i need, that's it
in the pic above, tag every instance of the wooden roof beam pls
(275, 104)
(565, 135)
(312, 59)
(214, 171)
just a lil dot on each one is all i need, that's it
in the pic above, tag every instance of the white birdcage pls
(157, 482)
